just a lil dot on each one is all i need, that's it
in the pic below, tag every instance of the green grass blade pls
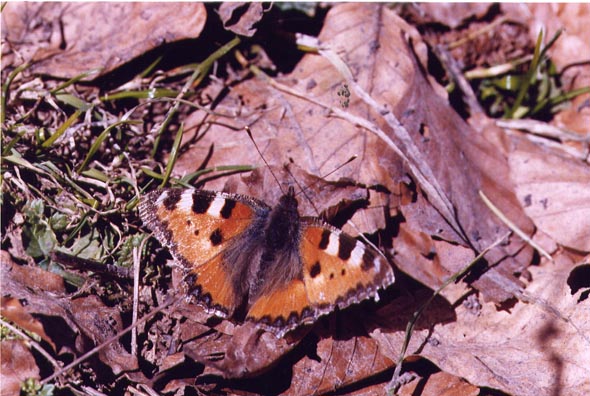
(96, 145)
(73, 101)
(143, 94)
(5, 90)
(197, 76)
(528, 77)
(61, 129)
(73, 80)
(173, 155)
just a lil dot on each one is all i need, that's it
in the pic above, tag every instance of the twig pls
(513, 226)
(452, 67)
(89, 265)
(542, 129)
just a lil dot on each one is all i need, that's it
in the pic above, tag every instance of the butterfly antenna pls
(249, 132)
(303, 190)
(342, 165)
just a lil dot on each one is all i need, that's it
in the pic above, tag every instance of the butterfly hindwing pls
(337, 270)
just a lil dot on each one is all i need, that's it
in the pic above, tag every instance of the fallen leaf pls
(74, 327)
(554, 191)
(441, 384)
(240, 17)
(99, 323)
(17, 365)
(337, 363)
(536, 348)
(13, 310)
(449, 14)
(67, 39)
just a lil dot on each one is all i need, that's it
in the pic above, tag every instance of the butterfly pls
(248, 261)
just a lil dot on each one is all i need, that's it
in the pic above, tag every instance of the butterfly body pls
(248, 261)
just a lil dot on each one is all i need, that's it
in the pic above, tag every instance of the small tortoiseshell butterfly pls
(247, 261)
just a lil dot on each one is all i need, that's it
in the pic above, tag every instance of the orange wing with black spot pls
(198, 227)
(337, 270)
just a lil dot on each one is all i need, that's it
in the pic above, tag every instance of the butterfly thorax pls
(280, 260)
(282, 230)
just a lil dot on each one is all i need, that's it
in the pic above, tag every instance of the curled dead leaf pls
(247, 15)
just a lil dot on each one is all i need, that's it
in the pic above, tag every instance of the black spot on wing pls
(228, 206)
(216, 237)
(315, 270)
(345, 246)
(201, 202)
(368, 261)
(325, 239)
(172, 198)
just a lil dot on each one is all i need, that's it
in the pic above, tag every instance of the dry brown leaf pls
(440, 384)
(345, 355)
(17, 365)
(99, 323)
(555, 192)
(248, 14)
(338, 363)
(18, 283)
(247, 353)
(450, 14)
(32, 277)
(73, 326)
(13, 310)
(528, 349)
(67, 39)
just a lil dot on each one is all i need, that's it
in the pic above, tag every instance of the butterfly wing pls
(337, 270)
(198, 227)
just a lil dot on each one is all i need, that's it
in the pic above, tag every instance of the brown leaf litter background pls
(511, 326)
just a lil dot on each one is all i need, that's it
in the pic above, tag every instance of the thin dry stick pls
(32, 342)
(484, 30)
(394, 383)
(542, 129)
(513, 226)
(136, 267)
